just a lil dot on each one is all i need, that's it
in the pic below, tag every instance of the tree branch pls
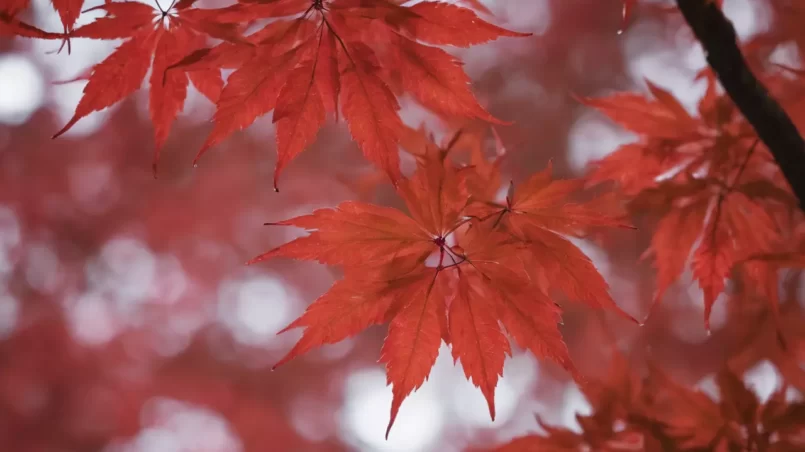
(773, 126)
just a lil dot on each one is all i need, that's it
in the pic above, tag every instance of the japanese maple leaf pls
(355, 56)
(439, 274)
(153, 38)
(386, 280)
(493, 286)
(537, 211)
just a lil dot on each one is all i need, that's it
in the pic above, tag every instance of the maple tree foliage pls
(655, 413)
(467, 259)
(316, 57)
(716, 190)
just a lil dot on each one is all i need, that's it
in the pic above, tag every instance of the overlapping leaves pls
(313, 58)
(714, 190)
(656, 413)
(154, 39)
(349, 56)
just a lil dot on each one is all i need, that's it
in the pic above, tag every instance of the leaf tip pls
(63, 130)
(255, 260)
(200, 153)
(626, 315)
(497, 121)
(284, 360)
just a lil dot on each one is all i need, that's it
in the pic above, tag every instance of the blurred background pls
(129, 323)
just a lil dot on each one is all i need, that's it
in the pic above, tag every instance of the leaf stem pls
(159, 7)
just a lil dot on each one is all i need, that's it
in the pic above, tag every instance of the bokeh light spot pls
(9, 313)
(366, 415)
(255, 309)
(175, 426)
(21, 89)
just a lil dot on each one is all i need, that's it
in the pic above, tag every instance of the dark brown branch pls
(773, 126)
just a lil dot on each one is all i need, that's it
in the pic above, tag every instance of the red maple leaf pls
(158, 38)
(354, 54)
(537, 212)
(441, 274)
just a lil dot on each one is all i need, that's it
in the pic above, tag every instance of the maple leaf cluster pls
(716, 193)
(313, 58)
(656, 413)
(453, 270)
